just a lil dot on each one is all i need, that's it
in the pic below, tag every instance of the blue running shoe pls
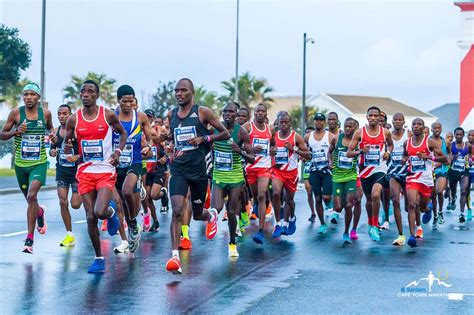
(412, 241)
(427, 215)
(277, 232)
(323, 229)
(113, 221)
(292, 226)
(375, 234)
(98, 266)
(255, 209)
(346, 239)
(284, 230)
(258, 238)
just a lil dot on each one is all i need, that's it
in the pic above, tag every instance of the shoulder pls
(142, 116)
(247, 125)
(47, 112)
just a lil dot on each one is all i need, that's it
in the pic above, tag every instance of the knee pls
(127, 193)
(177, 215)
(75, 204)
(91, 219)
(349, 206)
(261, 197)
(276, 196)
(63, 203)
(31, 198)
(326, 199)
(198, 216)
(376, 197)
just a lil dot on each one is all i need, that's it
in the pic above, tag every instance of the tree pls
(107, 95)
(15, 56)
(252, 91)
(207, 98)
(163, 99)
(295, 113)
(12, 96)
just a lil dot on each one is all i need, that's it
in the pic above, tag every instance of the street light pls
(43, 30)
(236, 94)
(303, 113)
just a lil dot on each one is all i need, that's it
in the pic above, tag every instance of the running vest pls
(227, 165)
(62, 164)
(94, 138)
(443, 168)
(395, 166)
(319, 152)
(372, 162)
(131, 153)
(420, 171)
(30, 148)
(344, 168)
(459, 163)
(260, 138)
(286, 159)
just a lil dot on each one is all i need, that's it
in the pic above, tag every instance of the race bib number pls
(320, 159)
(459, 164)
(264, 144)
(281, 156)
(154, 157)
(397, 157)
(223, 161)
(126, 158)
(63, 158)
(417, 165)
(307, 167)
(182, 135)
(372, 157)
(92, 150)
(30, 147)
(344, 161)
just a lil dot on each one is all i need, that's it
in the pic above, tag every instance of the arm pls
(389, 141)
(438, 154)
(351, 152)
(405, 152)
(8, 132)
(303, 150)
(114, 122)
(332, 146)
(69, 135)
(146, 147)
(211, 119)
(244, 141)
(53, 149)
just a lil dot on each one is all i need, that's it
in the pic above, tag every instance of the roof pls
(283, 103)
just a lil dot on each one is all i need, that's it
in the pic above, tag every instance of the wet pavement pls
(305, 273)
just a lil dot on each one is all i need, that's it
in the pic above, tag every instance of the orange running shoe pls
(419, 232)
(207, 203)
(211, 226)
(253, 216)
(174, 265)
(104, 225)
(185, 243)
(268, 211)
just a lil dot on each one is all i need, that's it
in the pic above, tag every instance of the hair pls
(459, 128)
(125, 90)
(260, 104)
(436, 123)
(384, 115)
(245, 109)
(93, 83)
(334, 113)
(283, 113)
(234, 104)
(189, 81)
(351, 119)
(375, 108)
(309, 128)
(159, 117)
(65, 106)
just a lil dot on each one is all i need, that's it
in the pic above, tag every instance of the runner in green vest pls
(29, 124)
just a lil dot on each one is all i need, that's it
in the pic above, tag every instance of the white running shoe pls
(122, 248)
(385, 226)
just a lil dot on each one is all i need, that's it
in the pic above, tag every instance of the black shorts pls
(154, 178)
(321, 183)
(179, 185)
(376, 178)
(401, 179)
(122, 173)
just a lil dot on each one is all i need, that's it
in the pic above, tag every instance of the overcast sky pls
(401, 49)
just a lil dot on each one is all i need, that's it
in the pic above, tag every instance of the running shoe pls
(225, 218)
(451, 205)
(174, 265)
(238, 231)
(385, 225)
(399, 241)
(122, 248)
(375, 234)
(312, 218)
(104, 225)
(441, 218)
(233, 251)
(346, 239)
(334, 218)
(276, 232)
(469, 214)
(354, 235)
(244, 219)
(185, 243)
(434, 226)
(155, 227)
(68, 241)
(134, 232)
(211, 226)
(133, 245)
(147, 221)
(419, 232)
(98, 266)
(412, 241)
(165, 200)
(258, 237)
(427, 215)
(41, 225)
(28, 248)
(113, 221)
(462, 219)
(268, 210)
(284, 230)
(292, 226)
(142, 192)
(323, 229)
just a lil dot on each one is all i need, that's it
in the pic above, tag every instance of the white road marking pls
(23, 232)
(80, 221)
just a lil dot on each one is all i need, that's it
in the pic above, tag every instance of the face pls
(260, 113)
(332, 121)
(459, 135)
(30, 98)
(308, 131)
(229, 113)
(398, 121)
(470, 136)
(284, 123)
(63, 115)
(426, 130)
(159, 121)
(449, 137)
(183, 93)
(126, 103)
(381, 120)
(319, 124)
(436, 129)
(166, 123)
(134, 104)
(417, 127)
(242, 117)
(349, 128)
(88, 94)
(373, 116)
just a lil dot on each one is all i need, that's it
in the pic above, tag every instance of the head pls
(319, 121)
(159, 120)
(150, 114)
(383, 119)
(436, 129)
(243, 116)
(417, 126)
(64, 111)
(333, 120)
(260, 113)
(184, 92)
(308, 130)
(89, 93)
(426, 130)
(459, 134)
(373, 115)
(398, 121)
(229, 113)
(166, 122)
(470, 136)
(126, 98)
(350, 126)
(284, 122)
(135, 104)
(31, 95)
(449, 136)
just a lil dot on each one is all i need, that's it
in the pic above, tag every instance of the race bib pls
(320, 159)
(30, 147)
(154, 157)
(417, 165)
(63, 158)
(459, 164)
(396, 157)
(223, 161)
(92, 150)
(307, 167)
(281, 156)
(126, 158)
(372, 157)
(181, 137)
(344, 161)
(264, 144)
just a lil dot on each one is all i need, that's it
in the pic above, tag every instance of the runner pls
(188, 168)
(92, 127)
(289, 145)
(470, 138)
(344, 175)
(307, 185)
(376, 146)
(320, 176)
(447, 194)
(383, 122)
(418, 152)
(243, 116)
(32, 122)
(66, 168)
(397, 172)
(333, 124)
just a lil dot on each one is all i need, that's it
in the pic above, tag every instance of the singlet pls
(131, 153)
(286, 159)
(227, 165)
(395, 166)
(62, 164)
(260, 138)
(319, 153)
(443, 168)
(30, 148)
(459, 163)
(372, 162)
(94, 138)
(344, 168)
(419, 171)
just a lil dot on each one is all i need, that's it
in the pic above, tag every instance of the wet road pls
(304, 273)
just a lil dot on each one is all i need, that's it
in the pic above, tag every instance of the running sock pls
(286, 224)
(101, 257)
(175, 253)
(30, 236)
(69, 233)
(185, 231)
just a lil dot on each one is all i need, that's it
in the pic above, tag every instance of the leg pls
(89, 205)
(464, 183)
(376, 198)
(386, 203)
(262, 188)
(357, 207)
(413, 206)
(33, 206)
(277, 185)
(217, 198)
(232, 211)
(309, 192)
(395, 190)
(439, 191)
(129, 196)
(349, 203)
(63, 192)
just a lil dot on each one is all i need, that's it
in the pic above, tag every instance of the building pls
(448, 116)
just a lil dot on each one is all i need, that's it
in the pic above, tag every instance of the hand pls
(68, 147)
(114, 158)
(288, 145)
(386, 155)
(52, 138)
(163, 137)
(448, 161)
(366, 148)
(257, 149)
(422, 156)
(145, 150)
(72, 158)
(273, 151)
(196, 141)
(22, 128)
(53, 152)
(235, 147)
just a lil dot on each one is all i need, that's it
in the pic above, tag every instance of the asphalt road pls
(304, 273)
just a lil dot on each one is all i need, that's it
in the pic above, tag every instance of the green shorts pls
(342, 189)
(226, 186)
(25, 175)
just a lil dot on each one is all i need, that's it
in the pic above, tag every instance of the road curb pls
(9, 191)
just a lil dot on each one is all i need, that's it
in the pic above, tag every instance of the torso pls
(372, 162)
(395, 166)
(131, 153)
(344, 168)
(260, 138)
(459, 162)
(420, 171)
(319, 152)
(286, 159)
(227, 165)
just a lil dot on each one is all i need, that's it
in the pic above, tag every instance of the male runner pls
(289, 145)
(66, 168)
(470, 138)
(373, 140)
(189, 133)
(447, 194)
(243, 116)
(333, 123)
(31, 123)
(383, 122)
(92, 127)
(307, 186)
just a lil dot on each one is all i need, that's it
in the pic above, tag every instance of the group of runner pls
(117, 162)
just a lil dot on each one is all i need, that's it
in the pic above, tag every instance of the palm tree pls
(252, 91)
(12, 96)
(207, 98)
(295, 113)
(71, 93)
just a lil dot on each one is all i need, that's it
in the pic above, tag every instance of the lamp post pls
(236, 94)
(303, 113)
(43, 30)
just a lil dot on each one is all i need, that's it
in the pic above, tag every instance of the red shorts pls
(253, 173)
(358, 183)
(88, 182)
(288, 178)
(424, 190)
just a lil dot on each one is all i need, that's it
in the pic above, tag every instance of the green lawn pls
(11, 172)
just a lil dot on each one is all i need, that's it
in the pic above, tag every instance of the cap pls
(149, 112)
(319, 116)
(32, 87)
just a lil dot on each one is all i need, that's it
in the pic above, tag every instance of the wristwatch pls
(295, 148)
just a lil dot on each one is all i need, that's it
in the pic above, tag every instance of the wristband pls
(207, 138)
(118, 149)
